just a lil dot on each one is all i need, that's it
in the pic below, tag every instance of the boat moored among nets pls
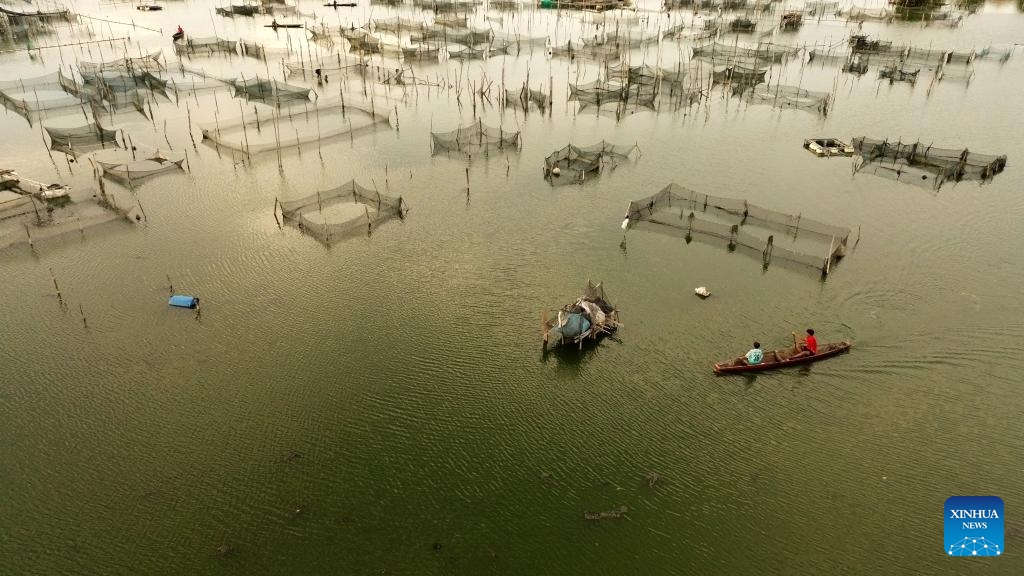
(588, 319)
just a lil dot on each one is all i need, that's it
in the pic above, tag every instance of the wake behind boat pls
(781, 358)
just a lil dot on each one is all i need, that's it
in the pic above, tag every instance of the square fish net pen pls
(477, 138)
(740, 226)
(347, 211)
(924, 164)
(572, 164)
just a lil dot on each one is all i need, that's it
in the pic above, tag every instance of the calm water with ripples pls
(382, 406)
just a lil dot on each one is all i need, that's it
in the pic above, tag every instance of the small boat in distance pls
(828, 147)
(780, 358)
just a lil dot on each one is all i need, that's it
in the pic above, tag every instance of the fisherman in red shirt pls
(809, 347)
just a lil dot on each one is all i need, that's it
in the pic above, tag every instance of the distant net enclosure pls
(525, 96)
(922, 164)
(257, 133)
(790, 97)
(30, 97)
(80, 140)
(343, 212)
(130, 171)
(148, 63)
(763, 53)
(740, 226)
(271, 92)
(477, 138)
(574, 163)
(205, 46)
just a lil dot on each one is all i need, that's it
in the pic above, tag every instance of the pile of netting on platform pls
(205, 46)
(790, 97)
(81, 139)
(31, 95)
(573, 163)
(525, 96)
(270, 92)
(740, 226)
(256, 133)
(923, 164)
(474, 139)
(343, 212)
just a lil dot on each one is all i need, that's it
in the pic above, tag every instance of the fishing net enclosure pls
(525, 96)
(131, 171)
(29, 96)
(573, 163)
(205, 46)
(149, 63)
(81, 139)
(477, 138)
(237, 10)
(271, 92)
(256, 133)
(740, 226)
(343, 212)
(764, 53)
(739, 76)
(922, 164)
(790, 97)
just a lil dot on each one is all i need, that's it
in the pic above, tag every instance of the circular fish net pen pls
(343, 212)
(741, 227)
(477, 138)
(572, 164)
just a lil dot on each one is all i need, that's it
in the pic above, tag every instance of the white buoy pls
(625, 224)
(556, 171)
(702, 292)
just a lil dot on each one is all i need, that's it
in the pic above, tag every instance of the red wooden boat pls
(770, 362)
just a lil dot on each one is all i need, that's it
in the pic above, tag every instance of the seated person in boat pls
(753, 357)
(809, 347)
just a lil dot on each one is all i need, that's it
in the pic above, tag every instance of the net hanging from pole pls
(790, 97)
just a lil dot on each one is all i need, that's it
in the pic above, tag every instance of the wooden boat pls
(340, 5)
(828, 147)
(826, 351)
(276, 26)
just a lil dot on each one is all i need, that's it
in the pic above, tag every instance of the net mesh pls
(916, 161)
(314, 215)
(255, 134)
(474, 139)
(740, 226)
(790, 97)
(205, 46)
(574, 162)
(81, 139)
(271, 92)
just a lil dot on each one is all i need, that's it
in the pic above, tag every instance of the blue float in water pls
(182, 301)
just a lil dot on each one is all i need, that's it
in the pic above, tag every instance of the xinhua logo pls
(974, 526)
